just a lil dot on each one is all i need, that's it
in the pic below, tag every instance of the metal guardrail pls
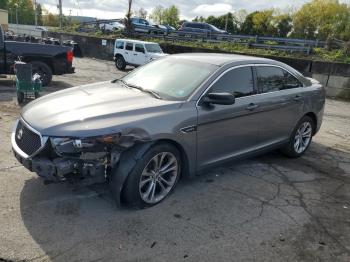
(295, 45)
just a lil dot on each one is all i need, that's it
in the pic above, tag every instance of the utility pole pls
(226, 22)
(16, 6)
(35, 13)
(60, 10)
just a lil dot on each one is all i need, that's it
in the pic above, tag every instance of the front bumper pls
(48, 164)
(62, 169)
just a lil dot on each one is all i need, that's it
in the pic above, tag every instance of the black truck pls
(47, 60)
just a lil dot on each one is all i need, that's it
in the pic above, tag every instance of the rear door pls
(280, 103)
(225, 131)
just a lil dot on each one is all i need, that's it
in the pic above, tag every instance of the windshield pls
(173, 78)
(153, 48)
(215, 28)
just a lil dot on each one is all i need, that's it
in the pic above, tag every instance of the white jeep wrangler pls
(135, 52)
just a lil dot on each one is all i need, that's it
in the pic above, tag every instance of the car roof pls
(135, 41)
(220, 59)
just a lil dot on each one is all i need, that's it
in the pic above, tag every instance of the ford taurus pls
(173, 117)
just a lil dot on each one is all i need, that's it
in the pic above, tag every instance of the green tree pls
(50, 19)
(4, 4)
(157, 14)
(25, 10)
(259, 23)
(282, 24)
(247, 26)
(171, 16)
(322, 19)
(227, 22)
(263, 23)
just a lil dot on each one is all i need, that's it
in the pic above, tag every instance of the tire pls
(294, 149)
(43, 70)
(134, 194)
(20, 97)
(36, 95)
(120, 63)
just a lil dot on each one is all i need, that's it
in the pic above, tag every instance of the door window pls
(139, 48)
(272, 79)
(119, 45)
(238, 82)
(129, 46)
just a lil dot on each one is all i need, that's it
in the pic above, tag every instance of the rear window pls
(119, 45)
(129, 46)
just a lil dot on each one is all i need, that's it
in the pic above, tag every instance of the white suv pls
(135, 53)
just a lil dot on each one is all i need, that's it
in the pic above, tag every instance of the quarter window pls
(119, 45)
(139, 48)
(238, 82)
(129, 46)
(272, 79)
(290, 81)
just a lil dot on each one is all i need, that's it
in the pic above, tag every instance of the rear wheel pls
(43, 70)
(301, 138)
(153, 177)
(120, 63)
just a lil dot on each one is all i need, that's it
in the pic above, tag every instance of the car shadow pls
(71, 224)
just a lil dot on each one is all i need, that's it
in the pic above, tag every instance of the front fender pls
(124, 167)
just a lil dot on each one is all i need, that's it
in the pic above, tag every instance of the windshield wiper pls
(153, 93)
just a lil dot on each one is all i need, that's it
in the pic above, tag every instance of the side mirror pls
(219, 99)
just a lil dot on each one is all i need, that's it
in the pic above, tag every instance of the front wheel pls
(301, 138)
(153, 177)
(120, 63)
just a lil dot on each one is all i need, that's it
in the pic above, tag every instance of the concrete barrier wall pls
(334, 76)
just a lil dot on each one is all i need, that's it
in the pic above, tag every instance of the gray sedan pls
(172, 117)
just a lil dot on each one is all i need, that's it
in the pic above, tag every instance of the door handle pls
(251, 106)
(126, 53)
(135, 54)
(297, 97)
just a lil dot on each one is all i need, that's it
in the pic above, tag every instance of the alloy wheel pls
(158, 177)
(302, 137)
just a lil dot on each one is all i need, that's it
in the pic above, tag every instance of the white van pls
(135, 52)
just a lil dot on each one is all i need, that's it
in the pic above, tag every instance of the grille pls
(28, 141)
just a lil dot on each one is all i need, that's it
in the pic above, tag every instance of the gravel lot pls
(268, 208)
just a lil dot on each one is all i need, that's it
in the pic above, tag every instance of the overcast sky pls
(188, 8)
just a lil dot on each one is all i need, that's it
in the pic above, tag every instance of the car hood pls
(157, 55)
(95, 109)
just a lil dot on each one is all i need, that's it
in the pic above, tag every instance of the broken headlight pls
(67, 145)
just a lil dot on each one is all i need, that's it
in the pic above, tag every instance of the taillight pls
(70, 56)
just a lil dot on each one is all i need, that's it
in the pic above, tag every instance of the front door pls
(225, 131)
(139, 54)
(129, 53)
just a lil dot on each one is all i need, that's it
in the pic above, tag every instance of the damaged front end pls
(85, 160)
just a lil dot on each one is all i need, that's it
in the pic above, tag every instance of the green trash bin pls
(27, 85)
